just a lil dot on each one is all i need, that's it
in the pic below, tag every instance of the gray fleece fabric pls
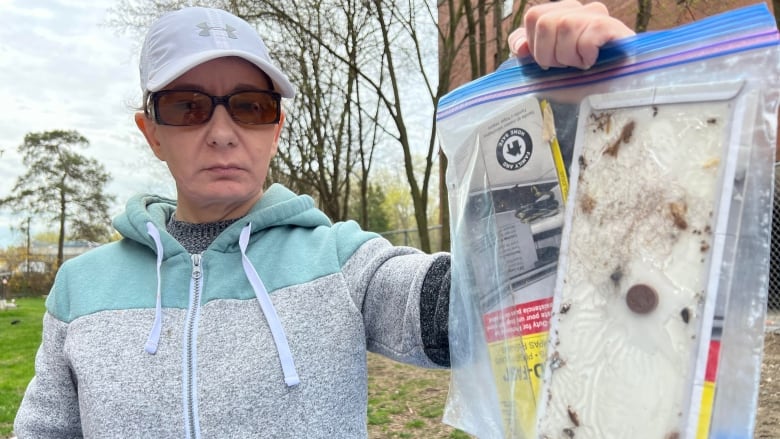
(337, 291)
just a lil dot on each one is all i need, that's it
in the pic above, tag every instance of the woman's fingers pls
(566, 33)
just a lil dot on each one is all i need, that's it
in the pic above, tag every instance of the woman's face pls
(219, 166)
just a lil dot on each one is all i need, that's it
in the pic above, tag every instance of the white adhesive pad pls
(634, 294)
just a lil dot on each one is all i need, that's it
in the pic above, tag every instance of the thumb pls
(518, 43)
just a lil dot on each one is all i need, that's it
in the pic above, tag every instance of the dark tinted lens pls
(255, 107)
(182, 107)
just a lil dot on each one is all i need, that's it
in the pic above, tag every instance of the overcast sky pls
(62, 67)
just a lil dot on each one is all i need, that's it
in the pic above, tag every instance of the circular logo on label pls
(514, 149)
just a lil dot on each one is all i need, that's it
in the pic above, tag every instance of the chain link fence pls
(774, 266)
(411, 238)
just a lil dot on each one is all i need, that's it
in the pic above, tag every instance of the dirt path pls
(768, 417)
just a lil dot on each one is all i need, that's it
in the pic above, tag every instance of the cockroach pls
(625, 136)
(587, 203)
(686, 315)
(573, 416)
(583, 163)
(616, 276)
(678, 211)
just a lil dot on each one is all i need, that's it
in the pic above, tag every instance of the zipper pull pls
(196, 273)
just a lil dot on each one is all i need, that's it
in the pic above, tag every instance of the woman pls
(233, 311)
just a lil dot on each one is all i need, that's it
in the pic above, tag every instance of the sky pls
(63, 67)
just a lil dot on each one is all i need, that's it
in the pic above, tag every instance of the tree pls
(376, 217)
(353, 62)
(776, 8)
(62, 186)
(643, 14)
(330, 140)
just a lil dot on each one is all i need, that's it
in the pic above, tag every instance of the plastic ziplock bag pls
(610, 237)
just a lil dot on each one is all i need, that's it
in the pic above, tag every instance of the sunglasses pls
(193, 107)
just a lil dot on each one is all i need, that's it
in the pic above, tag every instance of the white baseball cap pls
(183, 39)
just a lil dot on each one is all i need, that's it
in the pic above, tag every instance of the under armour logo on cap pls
(205, 30)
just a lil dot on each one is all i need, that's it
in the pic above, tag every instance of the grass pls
(20, 335)
(406, 401)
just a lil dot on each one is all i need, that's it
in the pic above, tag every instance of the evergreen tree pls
(62, 186)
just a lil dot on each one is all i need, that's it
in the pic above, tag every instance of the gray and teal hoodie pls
(263, 335)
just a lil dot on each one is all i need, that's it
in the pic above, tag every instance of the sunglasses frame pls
(151, 109)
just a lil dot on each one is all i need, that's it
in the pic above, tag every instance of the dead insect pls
(704, 246)
(627, 132)
(625, 136)
(573, 416)
(587, 203)
(568, 432)
(565, 308)
(603, 121)
(712, 121)
(616, 276)
(686, 315)
(556, 362)
(583, 163)
(655, 110)
(678, 211)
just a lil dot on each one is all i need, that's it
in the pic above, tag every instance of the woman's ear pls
(278, 134)
(149, 130)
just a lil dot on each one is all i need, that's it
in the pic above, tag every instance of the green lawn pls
(20, 335)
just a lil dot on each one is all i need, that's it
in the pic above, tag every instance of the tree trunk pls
(61, 240)
(643, 14)
(776, 8)
(482, 39)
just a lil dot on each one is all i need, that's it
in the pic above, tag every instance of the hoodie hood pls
(278, 207)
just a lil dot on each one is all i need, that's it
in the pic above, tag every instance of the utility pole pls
(27, 255)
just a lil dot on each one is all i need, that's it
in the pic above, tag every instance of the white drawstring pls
(154, 336)
(291, 377)
(285, 355)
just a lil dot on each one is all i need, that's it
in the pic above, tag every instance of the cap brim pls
(169, 73)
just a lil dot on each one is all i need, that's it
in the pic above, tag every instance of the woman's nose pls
(222, 128)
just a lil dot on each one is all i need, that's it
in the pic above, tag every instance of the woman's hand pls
(566, 33)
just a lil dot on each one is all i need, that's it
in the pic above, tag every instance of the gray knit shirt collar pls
(196, 238)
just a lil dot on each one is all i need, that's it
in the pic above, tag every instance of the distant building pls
(43, 255)
(70, 249)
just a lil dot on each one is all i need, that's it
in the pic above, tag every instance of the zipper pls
(190, 346)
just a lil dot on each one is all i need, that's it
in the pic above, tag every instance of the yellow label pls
(517, 363)
(705, 414)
